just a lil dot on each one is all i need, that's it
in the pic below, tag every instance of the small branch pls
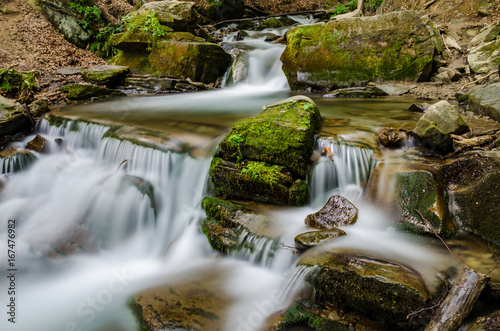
(433, 230)
(428, 4)
(480, 79)
(5, 52)
(269, 16)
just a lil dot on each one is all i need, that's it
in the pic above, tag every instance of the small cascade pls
(255, 249)
(348, 168)
(76, 134)
(18, 161)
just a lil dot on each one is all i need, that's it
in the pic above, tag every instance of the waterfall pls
(16, 162)
(347, 170)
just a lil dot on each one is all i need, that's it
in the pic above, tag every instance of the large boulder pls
(353, 51)
(12, 117)
(266, 157)
(485, 57)
(486, 101)
(65, 19)
(177, 54)
(178, 15)
(474, 190)
(338, 211)
(376, 287)
(435, 127)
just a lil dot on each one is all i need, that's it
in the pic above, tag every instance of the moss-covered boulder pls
(351, 52)
(486, 101)
(474, 189)
(108, 75)
(266, 157)
(88, 91)
(227, 224)
(435, 127)
(311, 239)
(374, 286)
(176, 54)
(338, 211)
(485, 57)
(12, 117)
(178, 15)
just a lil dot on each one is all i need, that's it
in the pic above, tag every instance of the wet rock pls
(276, 22)
(193, 303)
(474, 189)
(373, 286)
(392, 138)
(88, 91)
(311, 239)
(421, 191)
(485, 57)
(486, 101)
(353, 51)
(12, 117)
(266, 157)
(485, 36)
(66, 20)
(239, 68)
(442, 77)
(38, 144)
(226, 222)
(356, 92)
(319, 317)
(338, 211)
(434, 128)
(109, 75)
(177, 15)
(38, 107)
(419, 107)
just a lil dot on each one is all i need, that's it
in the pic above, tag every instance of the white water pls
(112, 241)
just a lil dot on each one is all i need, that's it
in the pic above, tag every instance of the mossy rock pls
(357, 92)
(283, 135)
(485, 57)
(178, 15)
(353, 51)
(38, 144)
(226, 222)
(12, 117)
(422, 191)
(474, 189)
(310, 239)
(276, 22)
(373, 286)
(435, 127)
(109, 75)
(486, 101)
(88, 91)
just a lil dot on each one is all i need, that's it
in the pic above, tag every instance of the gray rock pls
(471, 33)
(88, 91)
(419, 107)
(338, 211)
(175, 14)
(485, 36)
(485, 57)
(12, 117)
(356, 92)
(434, 128)
(69, 71)
(442, 77)
(65, 19)
(486, 101)
(394, 89)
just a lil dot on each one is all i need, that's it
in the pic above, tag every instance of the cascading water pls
(99, 219)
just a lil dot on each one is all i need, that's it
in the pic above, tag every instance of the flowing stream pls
(99, 219)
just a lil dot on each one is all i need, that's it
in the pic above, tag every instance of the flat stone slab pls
(486, 101)
(69, 71)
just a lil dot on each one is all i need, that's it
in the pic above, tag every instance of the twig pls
(433, 230)
(269, 16)
(5, 51)
(480, 79)
(444, 43)
(428, 4)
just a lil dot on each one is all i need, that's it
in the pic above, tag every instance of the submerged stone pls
(311, 239)
(109, 75)
(353, 51)
(435, 127)
(486, 101)
(266, 157)
(338, 211)
(378, 288)
(356, 92)
(38, 144)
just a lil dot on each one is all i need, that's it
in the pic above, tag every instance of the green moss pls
(302, 314)
(138, 62)
(88, 91)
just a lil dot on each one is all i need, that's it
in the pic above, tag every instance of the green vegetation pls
(146, 23)
(18, 85)
(91, 20)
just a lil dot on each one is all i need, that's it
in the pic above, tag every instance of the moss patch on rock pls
(88, 91)
(351, 52)
(108, 75)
